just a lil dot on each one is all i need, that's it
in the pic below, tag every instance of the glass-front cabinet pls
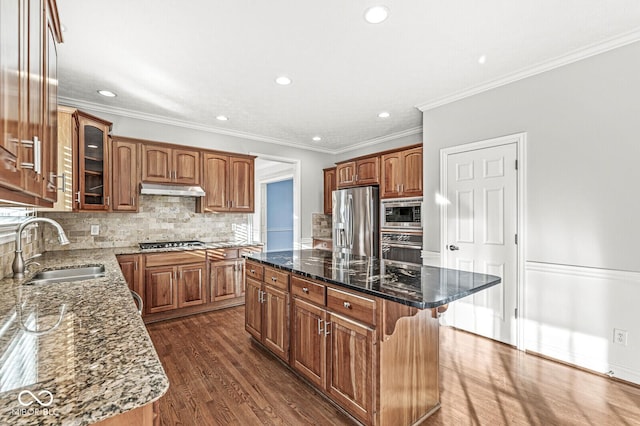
(92, 177)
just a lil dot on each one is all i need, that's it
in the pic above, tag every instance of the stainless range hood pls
(168, 189)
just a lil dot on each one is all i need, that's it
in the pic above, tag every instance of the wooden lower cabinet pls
(375, 358)
(160, 289)
(147, 415)
(191, 284)
(267, 311)
(227, 279)
(350, 366)
(308, 342)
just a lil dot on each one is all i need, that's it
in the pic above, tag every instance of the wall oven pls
(402, 214)
(401, 247)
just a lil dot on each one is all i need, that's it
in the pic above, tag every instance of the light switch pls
(95, 229)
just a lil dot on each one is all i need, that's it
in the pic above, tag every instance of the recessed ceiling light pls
(222, 118)
(482, 59)
(283, 80)
(107, 93)
(376, 14)
(317, 138)
(384, 114)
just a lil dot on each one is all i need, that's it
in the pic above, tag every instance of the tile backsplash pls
(321, 224)
(161, 218)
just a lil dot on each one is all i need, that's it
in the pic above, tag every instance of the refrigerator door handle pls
(350, 215)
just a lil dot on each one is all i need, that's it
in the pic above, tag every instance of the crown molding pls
(122, 112)
(574, 56)
(381, 139)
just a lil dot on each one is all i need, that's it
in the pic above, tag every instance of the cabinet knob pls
(305, 290)
(253, 271)
(347, 305)
(274, 279)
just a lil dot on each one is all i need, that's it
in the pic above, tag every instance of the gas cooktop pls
(171, 244)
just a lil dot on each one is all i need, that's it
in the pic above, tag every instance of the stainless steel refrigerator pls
(355, 221)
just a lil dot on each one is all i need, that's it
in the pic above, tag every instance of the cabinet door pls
(412, 173)
(216, 182)
(241, 185)
(391, 175)
(329, 187)
(275, 317)
(186, 167)
(191, 284)
(308, 351)
(253, 308)
(125, 176)
(156, 164)
(93, 177)
(346, 173)
(50, 143)
(160, 288)
(10, 93)
(350, 366)
(33, 122)
(368, 171)
(241, 287)
(130, 267)
(223, 277)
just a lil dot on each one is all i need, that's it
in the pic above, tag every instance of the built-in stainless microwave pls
(402, 214)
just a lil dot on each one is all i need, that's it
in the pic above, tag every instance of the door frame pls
(520, 139)
(297, 192)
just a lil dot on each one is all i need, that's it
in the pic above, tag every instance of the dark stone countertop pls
(421, 287)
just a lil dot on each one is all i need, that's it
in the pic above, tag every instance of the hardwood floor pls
(218, 377)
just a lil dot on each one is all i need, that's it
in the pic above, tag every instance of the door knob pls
(453, 248)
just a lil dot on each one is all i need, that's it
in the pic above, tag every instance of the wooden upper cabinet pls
(329, 187)
(163, 164)
(402, 173)
(29, 31)
(228, 183)
(365, 171)
(241, 185)
(125, 175)
(92, 172)
(215, 182)
(186, 166)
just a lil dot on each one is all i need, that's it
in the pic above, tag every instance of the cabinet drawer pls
(307, 290)
(223, 253)
(356, 307)
(175, 258)
(276, 278)
(254, 270)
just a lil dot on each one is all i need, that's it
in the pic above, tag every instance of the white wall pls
(310, 161)
(583, 126)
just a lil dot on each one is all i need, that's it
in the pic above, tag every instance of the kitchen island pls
(76, 353)
(364, 332)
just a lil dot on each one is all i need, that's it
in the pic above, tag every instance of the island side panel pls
(409, 362)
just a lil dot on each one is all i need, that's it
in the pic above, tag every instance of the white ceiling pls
(185, 62)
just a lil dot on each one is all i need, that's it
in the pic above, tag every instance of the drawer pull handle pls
(347, 305)
(305, 290)
(253, 271)
(274, 279)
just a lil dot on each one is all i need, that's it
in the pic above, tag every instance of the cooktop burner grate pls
(170, 244)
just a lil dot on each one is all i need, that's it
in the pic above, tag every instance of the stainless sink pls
(68, 274)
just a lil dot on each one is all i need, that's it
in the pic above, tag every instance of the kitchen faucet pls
(18, 261)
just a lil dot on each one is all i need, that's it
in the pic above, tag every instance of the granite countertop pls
(418, 286)
(94, 361)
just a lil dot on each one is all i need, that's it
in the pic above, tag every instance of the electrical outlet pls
(95, 229)
(620, 336)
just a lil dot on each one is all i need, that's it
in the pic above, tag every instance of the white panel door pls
(481, 230)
